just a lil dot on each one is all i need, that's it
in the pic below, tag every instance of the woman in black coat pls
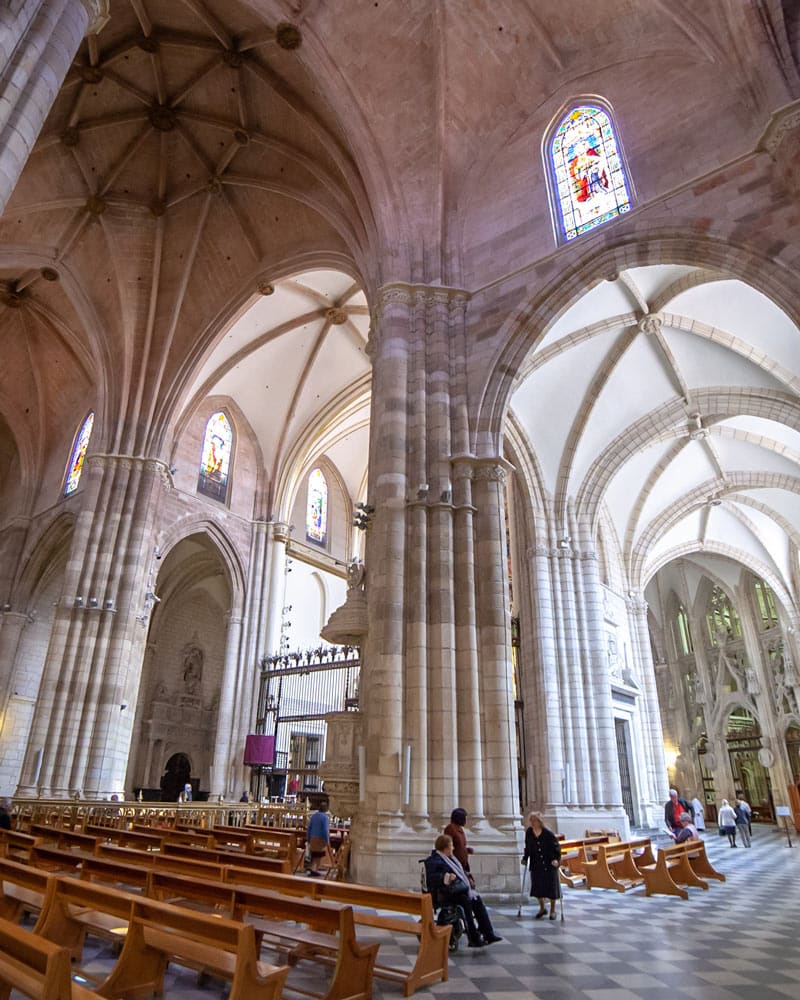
(543, 856)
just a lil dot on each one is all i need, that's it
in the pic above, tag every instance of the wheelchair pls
(447, 913)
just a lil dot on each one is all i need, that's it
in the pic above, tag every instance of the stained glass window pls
(78, 456)
(317, 508)
(216, 459)
(589, 175)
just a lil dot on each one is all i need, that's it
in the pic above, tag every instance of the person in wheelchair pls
(448, 885)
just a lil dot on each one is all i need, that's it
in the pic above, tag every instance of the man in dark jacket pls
(448, 883)
(673, 810)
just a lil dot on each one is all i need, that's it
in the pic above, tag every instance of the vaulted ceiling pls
(682, 419)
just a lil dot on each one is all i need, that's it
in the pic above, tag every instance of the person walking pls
(745, 807)
(727, 821)
(543, 857)
(742, 822)
(318, 837)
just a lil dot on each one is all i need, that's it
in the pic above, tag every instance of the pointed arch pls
(215, 461)
(80, 445)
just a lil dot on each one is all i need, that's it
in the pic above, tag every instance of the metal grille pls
(621, 731)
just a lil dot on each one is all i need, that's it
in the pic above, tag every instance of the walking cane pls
(522, 890)
(561, 893)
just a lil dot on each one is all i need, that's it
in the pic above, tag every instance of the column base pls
(387, 852)
(575, 820)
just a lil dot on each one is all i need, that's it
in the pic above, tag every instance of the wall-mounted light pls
(79, 601)
(563, 543)
(6, 607)
(92, 602)
(108, 604)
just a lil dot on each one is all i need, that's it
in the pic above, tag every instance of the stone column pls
(229, 742)
(499, 744)
(38, 41)
(90, 681)
(379, 819)
(656, 788)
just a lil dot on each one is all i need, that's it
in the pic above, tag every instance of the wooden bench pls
(701, 866)
(63, 837)
(16, 845)
(113, 872)
(56, 859)
(574, 855)
(415, 916)
(673, 870)
(126, 838)
(172, 862)
(615, 866)
(35, 967)
(159, 933)
(74, 907)
(22, 888)
(213, 856)
(306, 928)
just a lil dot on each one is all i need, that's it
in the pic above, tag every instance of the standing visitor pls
(742, 822)
(727, 822)
(543, 857)
(461, 850)
(699, 813)
(318, 837)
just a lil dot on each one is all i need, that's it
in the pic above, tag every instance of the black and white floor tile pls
(738, 939)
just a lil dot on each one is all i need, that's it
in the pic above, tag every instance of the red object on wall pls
(259, 750)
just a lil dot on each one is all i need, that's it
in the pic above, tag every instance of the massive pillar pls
(90, 682)
(38, 41)
(436, 690)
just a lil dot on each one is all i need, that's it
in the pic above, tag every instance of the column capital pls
(281, 531)
(782, 123)
(99, 12)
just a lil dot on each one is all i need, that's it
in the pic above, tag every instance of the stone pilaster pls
(37, 45)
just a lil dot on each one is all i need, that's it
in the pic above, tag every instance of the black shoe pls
(479, 943)
(553, 915)
(540, 914)
(493, 939)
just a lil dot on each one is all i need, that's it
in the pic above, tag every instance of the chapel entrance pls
(750, 777)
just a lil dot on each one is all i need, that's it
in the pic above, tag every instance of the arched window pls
(317, 508)
(766, 604)
(588, 172)
(78, 456)
(722, 618)
(684, 633)
(216, 459)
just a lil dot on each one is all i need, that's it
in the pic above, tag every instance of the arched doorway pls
(751, 778)
(177, 774)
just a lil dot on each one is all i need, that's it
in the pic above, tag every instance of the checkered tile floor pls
(740, 938)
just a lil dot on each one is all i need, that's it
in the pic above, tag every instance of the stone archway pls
(177, 774)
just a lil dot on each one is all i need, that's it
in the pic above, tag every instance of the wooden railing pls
(204, 815)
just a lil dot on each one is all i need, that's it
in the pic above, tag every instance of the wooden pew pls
(304, 927)
(574, 855)
(209, 855)
(616, 866)
(22, 888)
(74, 907)
(126, 838)
(35, 967)
(16, 845)
(158, 933)
(415, 916)
(63, 838)
(230, 837)
(113, 872)
(672, 871)
(187, 838)
(55, 859)
(701, 866)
